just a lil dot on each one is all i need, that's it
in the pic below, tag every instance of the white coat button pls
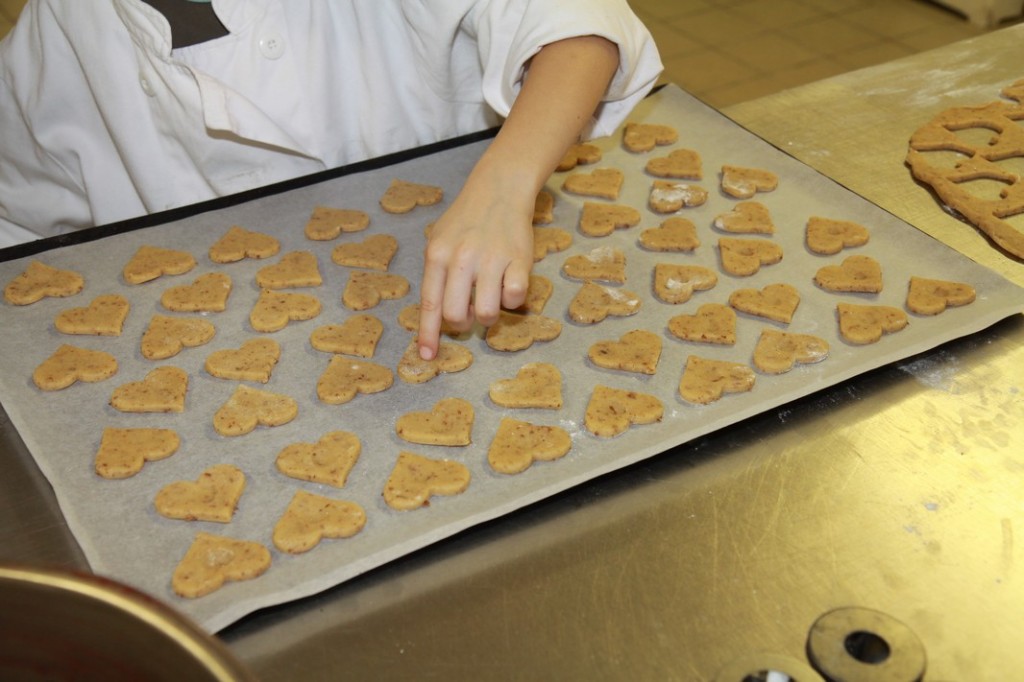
(272, 45)
(147, 87)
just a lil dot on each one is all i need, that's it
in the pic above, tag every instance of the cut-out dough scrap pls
(675, 284)
(207, 293)
(777, 352)
(680, 163)
(357, 335)
(860, 274)
(744, 257)
(636, 351)
(863, 324)
(611, 411)
(212, 497)
(415, 479)
(605, 183)
(293, 270)
(932, 296)
(776, 302)
(449, 422)
(450, 357)
(248, 408)
(674, 234)
(704, 381)
(212, 560)
(712, 323)
(535, 385)
(827, 236)
(275, 309)
(518, 444)
(104, 316)
(310, 518)
(166, 336)
(239, 243)
(747, 217)
(150, 262)
(514, 332)
(594, 302)
(345, 377)
(373, 253)
(39, 281)
(326, 222)
(253, 361)
(742, 183)
(123, 452)
(328, 461)
(162, 390)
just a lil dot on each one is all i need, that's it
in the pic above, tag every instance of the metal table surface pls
(901, 490)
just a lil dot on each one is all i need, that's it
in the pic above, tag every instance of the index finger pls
(431, 297)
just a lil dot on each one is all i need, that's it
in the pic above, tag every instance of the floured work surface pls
(124, 537)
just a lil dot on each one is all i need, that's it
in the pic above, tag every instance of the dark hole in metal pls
(867, 647)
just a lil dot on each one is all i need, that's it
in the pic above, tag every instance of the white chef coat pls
(100, 120)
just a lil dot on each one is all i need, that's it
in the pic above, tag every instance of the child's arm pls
(480, 251)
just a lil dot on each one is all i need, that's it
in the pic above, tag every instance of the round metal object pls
(58, 625)
(855, 644)
(767, 667)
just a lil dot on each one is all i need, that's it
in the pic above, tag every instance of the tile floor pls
(729, 51)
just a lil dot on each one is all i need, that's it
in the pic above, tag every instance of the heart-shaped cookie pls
(326, 223)
(150, 262)
(744, 257)
(674, 234)
(932, 296)
(826, 236)
(514, 332)
(636, 351)
(207, 293)
(712, 323)
(212, 560)
(402, 196)
(123, 452)
(166, 336)
(295, 269)
(537, 384)
(104, 316)
(253, 361)
(601, 182)
(309, 518)
(239, 243)
(518, 444)
(668, 197)
(275, 309)
(747, 217)
(212, 497)
(743, 183)
(449, 422)
(775, 302)
(776, 352)
(705, 381)
(604, 264)
(543, 208)
(357, 335)
(862, 324)
(345, 377)
(41, 280)
(69, 364)
(450, 357)
(327, 461)
(680, 163)
(593, 303)
(415, 479)
(675, 283)
(162, 390)
(643, 137)
(248, 408)
(581, 153)
(600, 220)
(409, 319)
(611, 411)
(855, 274)
(373, 253)
(538, 291)
(366, 289)
(549, 240)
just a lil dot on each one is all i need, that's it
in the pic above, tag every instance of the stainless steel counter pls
(901, 490)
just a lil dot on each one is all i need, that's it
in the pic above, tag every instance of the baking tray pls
(124, 538)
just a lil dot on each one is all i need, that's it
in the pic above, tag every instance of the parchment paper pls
(124, 538)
